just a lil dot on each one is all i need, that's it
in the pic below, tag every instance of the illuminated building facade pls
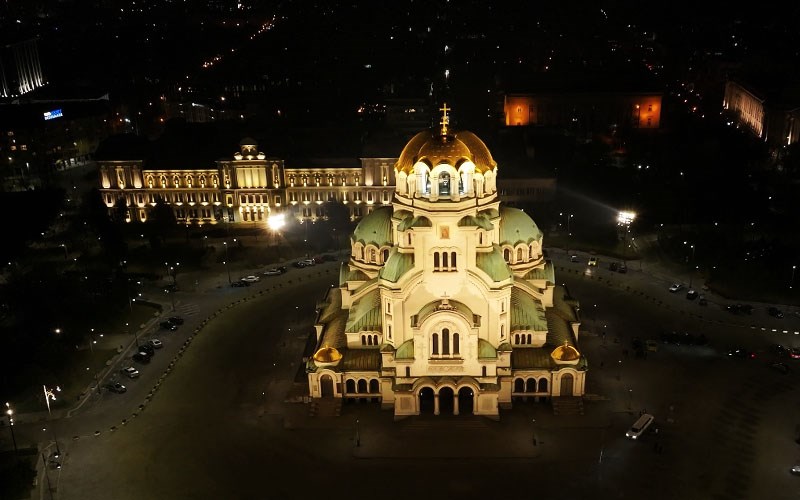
(775, 119)
(447, 304)
(20, 68)
(584, 111)
(247, 188)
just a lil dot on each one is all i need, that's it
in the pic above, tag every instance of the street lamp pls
(10, 414)
(225, 244)
(48, 396)
(533, 431)
(569, 233)
(625, 218)
(791, 281)
(93, 341)
(691, 270)
(64, 246)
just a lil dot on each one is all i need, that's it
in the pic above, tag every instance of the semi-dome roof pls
(435, 148)
(375, 228)
(517, 227)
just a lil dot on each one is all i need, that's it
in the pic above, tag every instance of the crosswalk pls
(187, 309)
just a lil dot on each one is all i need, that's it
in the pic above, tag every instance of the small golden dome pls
(327, 355)
(565, 353)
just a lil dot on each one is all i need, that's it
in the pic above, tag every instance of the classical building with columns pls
(447, 304)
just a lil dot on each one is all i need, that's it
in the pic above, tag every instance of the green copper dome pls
(375, 228)
(517, 227)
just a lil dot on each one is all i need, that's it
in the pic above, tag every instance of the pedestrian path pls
(187, 309)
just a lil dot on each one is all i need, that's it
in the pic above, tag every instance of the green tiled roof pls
(397, 265)
(410, 222)
(516, 226)
(375, 228)
(547, 273)
(366, 313)
(486, 350)
(493, 264)
(532, 358)
(479, 221)
(406, 350)
(346, 274)
(360, 360)
(526, 312)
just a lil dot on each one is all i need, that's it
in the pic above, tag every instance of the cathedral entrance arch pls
(326, 386)
(566, 384)
(466, 398)
(426, 401)
(446, 401)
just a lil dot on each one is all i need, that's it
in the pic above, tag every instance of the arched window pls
(409, 238)
(480, 238)
(444, 260)
(363, 340)
(461, 184)
(362, 386)
(483, 371)
(502, 331)
(445, 341)
(374, 340)
(519, 385)
(529, 339)
(455, 343)
(531, 385)
(435, 341)
(385, 254)
(369, 339)
(436, 261)
(350, 386)
(444, 183)
(519, 255)
(361, 253)
(374, 386)
(390, 332)
(543, 385)
(453, 260)
(507, 255)
(516, 339)
(373, 255)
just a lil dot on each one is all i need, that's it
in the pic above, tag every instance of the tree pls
(160, 222)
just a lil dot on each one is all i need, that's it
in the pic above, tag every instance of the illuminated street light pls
(791, 281)
(625, 218)
(10, 414)
(48, 396)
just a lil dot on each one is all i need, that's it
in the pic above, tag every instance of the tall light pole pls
(791, 281)
(691, 263)
(225, 244)
(625, 218)
(569, 233)
(48, 396)
(10, 414)
(93, 341)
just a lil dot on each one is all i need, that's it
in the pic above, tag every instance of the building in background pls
(770, 113)
(447, 304)
(20, 68)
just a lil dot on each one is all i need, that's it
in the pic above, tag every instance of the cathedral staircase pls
(567, 405)
(325, 407)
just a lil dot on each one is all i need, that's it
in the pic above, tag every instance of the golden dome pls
(434, 148)
(327, 355)
(565, 353)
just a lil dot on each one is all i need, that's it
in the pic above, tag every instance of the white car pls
(251, 279)
(592, 261)
(155, 343)
(675, 287)
(130, 372)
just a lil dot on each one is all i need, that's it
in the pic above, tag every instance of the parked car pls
(130, 372)
(795, 470)
(780, 367)
(775, 312)
(702, 300)
(275, 271)
(691, 294)
(155, 343)
(305, 263)
(795, 353)
(592, 261)
(147, 349)
(741, 353)
(740, 309)
(168, 325)
(613, 266)
(651, 345)
(573, 258)
(675, 287)
(622, 268)
(240, 283)
(116, 387)
(251, 279)
(175, 320)
(141, 357)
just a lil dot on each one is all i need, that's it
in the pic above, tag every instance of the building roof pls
(375, 228)
(517, 227)
(526, 313)
(493, 264)
(486, 350)
(406, 350)
(479, 221)
(365, 315)
(397, 265)
(434, 148)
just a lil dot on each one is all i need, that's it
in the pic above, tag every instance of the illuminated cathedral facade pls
(447, 304)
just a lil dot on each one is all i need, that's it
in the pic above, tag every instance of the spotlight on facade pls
(625, 218)
(275, 222)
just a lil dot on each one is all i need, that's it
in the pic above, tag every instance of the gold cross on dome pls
(445, 119)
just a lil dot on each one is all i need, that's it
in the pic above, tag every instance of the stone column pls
(436, 404)
(455, 403)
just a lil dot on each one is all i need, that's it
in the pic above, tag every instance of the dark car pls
(740, 309)
(741, 353)
(780, 367)
(176, 320)
(622, 268)
(613, 266)
(141, 357)
(775, 312)
(691, 294)
(167, 325)
(240, 284)
(115, 387)
(275, 271)
(147, 349)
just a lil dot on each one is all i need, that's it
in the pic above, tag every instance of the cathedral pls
(447, 304)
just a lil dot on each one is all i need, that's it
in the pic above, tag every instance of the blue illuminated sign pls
(49, 115)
